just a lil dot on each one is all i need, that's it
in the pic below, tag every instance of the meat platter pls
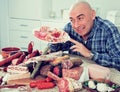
(52, 35)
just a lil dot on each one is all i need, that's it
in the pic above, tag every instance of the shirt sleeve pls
(112, 56)
(60, 46)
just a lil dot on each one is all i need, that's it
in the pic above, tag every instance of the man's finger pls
(73, 41)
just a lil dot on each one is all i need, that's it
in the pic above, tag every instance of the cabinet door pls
(21, 33)
(24, 25)
(4, 33)
(29, 9)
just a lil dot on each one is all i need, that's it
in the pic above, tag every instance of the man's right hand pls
(79, 47)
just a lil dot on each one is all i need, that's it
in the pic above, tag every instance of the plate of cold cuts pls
(51, 35)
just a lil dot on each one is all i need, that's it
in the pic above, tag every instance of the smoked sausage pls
(10, 58)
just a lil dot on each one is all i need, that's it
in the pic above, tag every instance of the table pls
(114, 77)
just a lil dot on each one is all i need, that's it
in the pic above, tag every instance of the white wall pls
(103, 6)
(58, 5)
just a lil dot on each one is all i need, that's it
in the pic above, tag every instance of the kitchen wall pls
(102, 6)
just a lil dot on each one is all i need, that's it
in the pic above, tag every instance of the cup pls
(8, 50)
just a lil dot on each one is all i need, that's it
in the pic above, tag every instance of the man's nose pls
(76, 24)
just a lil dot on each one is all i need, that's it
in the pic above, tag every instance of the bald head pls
(82, 17)
(80, 4)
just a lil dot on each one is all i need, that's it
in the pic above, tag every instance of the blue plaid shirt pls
(103, 41)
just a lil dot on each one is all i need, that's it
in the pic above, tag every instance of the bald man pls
(91, 37)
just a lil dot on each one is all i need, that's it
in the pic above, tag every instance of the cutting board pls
(24, 81)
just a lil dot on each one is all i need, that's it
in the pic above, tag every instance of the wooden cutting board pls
(24, 81)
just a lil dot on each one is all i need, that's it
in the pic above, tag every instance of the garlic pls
(102, 87)
(91, 84)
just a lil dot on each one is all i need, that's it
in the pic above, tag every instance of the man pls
(91, 37)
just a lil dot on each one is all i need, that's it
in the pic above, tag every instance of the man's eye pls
(81, 18)
(72, 20)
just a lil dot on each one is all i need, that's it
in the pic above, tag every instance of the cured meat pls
(69, 85)
(30, 47)
(53, 36)
(48, 57)
(17, 76)
(70, 63)
(10, 58)
(58, 70)
(45, 69)
(17, 69)
(74, 73)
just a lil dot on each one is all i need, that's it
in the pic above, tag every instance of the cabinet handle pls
(23, 25)
(23, 37)
(23, 48)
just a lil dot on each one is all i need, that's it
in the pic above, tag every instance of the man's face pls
(82, 20)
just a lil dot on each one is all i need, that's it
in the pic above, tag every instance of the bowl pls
(8, 50)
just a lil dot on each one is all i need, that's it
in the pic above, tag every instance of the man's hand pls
(79, 47)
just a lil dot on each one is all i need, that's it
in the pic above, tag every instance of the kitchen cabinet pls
(21, 33)
(29, 9)
(24, 16)
(4, 33)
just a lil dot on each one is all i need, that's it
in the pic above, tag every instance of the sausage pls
(30, 47)
(9, 59)
(20, 60)
(33, 54)
(45, 85)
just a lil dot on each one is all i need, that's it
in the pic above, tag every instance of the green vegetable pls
(35, 71)
(37, 67)
(114, 86)
(86, 83)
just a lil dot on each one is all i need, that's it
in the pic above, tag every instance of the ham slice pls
(52, 36)
(74, 73)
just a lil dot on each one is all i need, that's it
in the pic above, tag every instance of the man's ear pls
(93, 14)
